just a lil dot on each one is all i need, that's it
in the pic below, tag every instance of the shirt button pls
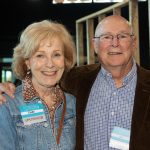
(114, 93)
(112, 113)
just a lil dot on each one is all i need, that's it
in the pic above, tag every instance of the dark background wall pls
(15, 15)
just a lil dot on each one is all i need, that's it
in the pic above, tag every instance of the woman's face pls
(47, 63)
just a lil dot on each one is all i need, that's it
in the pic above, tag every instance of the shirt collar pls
(131, 74)
(126, 79)
(29, 91)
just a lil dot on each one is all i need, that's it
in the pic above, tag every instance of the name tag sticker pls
(32, 113)
(120, 138)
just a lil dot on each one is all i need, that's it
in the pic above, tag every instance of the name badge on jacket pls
(32, 113)
(120, 138)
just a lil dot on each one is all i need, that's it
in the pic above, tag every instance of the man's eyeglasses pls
(122, 37)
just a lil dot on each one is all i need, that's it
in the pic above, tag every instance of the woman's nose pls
(49, 62)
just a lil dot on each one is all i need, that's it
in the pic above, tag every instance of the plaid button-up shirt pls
(107, 107)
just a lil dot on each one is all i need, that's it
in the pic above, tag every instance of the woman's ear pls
(27, 63)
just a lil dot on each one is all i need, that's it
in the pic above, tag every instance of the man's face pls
(116, 45)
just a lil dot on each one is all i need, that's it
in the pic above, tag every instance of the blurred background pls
(15, 15)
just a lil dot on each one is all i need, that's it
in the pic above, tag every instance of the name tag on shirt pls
(120, 138)
(32, 113)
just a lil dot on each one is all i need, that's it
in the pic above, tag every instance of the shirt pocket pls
(68, 136)
(28, 134)
(19, 123)
(69, 123)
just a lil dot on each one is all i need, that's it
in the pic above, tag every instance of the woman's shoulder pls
(18, 97)
(18, 89)
(70, 98)
(18, 93)
(71, 103)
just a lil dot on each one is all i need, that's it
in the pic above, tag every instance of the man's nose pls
(115, 41)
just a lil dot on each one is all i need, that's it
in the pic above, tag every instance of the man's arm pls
(8, 88)
(70, 81)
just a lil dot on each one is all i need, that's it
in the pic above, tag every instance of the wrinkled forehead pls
(113, 25)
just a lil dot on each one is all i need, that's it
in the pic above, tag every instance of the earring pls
(28, 71)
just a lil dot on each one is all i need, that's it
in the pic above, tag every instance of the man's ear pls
(134, 43)
(95, 45)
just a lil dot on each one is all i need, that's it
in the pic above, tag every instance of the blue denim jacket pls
(14, 135)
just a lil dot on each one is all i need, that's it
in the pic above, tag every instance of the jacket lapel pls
(141, 112)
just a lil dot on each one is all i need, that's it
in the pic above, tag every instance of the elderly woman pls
(41, 116)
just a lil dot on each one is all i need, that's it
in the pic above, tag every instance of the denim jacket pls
(14, 135)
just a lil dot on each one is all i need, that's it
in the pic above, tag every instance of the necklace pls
(57, 97)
